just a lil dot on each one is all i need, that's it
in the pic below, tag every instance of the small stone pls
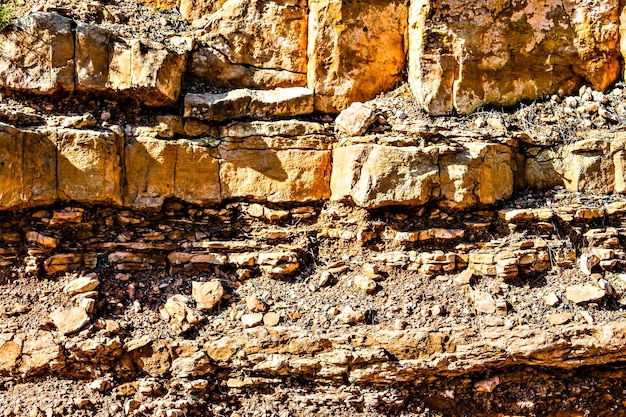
(83, 284)
(100, 385)
(606, 286)
(195, 365)
(355, 120)
(105, 115)
(324, 279)
(371, 270)
(559, 318)
(584, 294)
(70, 321)
(350, 316)
(271, 319)
(207, 294)
(587, 262)
(180, 317)
(255, 305)
(88, 304)
(131, 405)
(466, 277)
(496, 123)
(571, 102)
(487, 385)
(551, 299)
(587, 317)
(484, 302)
(365, 283)
(479, 122)
(252, 319)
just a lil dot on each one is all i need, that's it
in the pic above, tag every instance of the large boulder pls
(38, 54)
(464, 55)
(356, 50)
(146, 71)
(251, 43)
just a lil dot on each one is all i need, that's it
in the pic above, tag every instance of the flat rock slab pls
(257, 104)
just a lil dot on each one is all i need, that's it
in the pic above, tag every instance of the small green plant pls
(6, 15)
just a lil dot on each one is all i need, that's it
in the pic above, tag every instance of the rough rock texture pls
(253, 43)
(143, 70)
(38, 54)
(463, 56)
(259, 104)
(158, 169)
(375, 175)
(356, 50)
(89, 166)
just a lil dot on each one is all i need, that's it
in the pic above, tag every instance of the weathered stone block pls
(375, 176)
(275, 175)
(251, 43)
(466, 55)
(145, 71)
(89, 166)
(356, 50)
(260, 104)
(38, 54)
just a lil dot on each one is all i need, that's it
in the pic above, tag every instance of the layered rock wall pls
(457, 57)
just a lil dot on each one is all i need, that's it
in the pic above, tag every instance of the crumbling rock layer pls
(235, 251)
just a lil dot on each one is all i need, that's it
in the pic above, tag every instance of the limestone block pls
(276, 176)
(482, 174)
(260, 104)
(150, 165)
(27, 168)
(38, 54)
(251, 43)
(375, 175)
(157, 169)
(145, 71)
(208, 64)
(197, 178)
(588, 166)
(89, 166)
(356, 50)
(464, 55)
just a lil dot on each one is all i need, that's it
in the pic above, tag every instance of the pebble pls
(207, 294)
(484, 302)
(571, 102)
(86, 283)
(587, 317)
(349, 316)
(252, 319)
(466, 277)
(365, 283)
(551, 299)
(559, 318)
(271, 319)
(100, 385)
(255, 305)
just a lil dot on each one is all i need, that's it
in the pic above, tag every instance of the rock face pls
(375, 175)
(252, 43)
(158, 169)
(42, 54)
(463, 56)
(356, 50)
(38, 54)
(89, 166)
(146, 71)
